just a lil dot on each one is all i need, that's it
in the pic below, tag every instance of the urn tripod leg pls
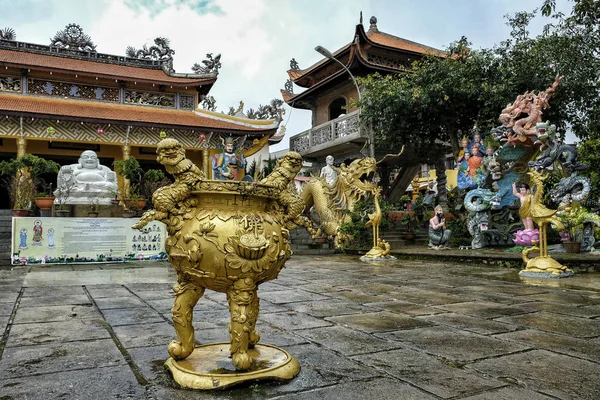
(243, 309)
(187, 295)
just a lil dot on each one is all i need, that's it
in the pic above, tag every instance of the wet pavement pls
(409, 329)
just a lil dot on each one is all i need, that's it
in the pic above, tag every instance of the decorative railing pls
(347, 125)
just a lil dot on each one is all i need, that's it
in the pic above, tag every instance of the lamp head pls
(324, 52)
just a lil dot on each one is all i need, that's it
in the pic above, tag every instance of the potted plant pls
(141, 183)
(63, 191)
(573, 218)
(410, 223)
(22, 178)
(93, 206)
(115, 194)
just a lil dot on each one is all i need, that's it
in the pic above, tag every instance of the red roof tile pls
(395, 42)
(113, 71)
(117, 113)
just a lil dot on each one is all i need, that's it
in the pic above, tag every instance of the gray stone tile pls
(509, 393)
(320, 367)
(108, 303)
(428, 373)
(161, 305)
(290, 296)
(485, 309)
(210, 319)
(144, 335)
(378, 321)
(378, 388)
(266, 307)
(131, 316)
(58, 291)
(27, 315)
(6, 308)
(471, 324)
(154, 287)
(552, 374)
(454, 344)
(357, 297)
(154, 294)
(107, 291)
(8, 296)
(292, 320)
(405, 307)
(55, 300)
(568, 297)
(573, 326)
(328, 308)
(107, 383)
(583, 348)
(347, 341)
(567, 309)
(33, 334)
(428, 297)
(150, 361)
(276, 336)
(59, 357)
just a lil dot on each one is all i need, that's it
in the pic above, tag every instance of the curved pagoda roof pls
(42, 107)
(362, 56)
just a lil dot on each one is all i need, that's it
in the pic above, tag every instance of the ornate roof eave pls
(364, 37)
(302, 97)
(93, 112)
(99, 58)
(357, 58)
(265, 124)
(297, 75)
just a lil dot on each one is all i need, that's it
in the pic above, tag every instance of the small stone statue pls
(439, 236)
(86, 179)
(328, 172)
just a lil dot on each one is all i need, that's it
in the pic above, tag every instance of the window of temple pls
(337, 108)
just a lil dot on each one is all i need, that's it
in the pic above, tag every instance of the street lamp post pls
(327, 54)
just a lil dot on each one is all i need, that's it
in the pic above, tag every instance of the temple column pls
(126, 150)
(21, 146)
(206, 161)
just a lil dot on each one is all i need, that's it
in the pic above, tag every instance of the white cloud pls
(257, 38)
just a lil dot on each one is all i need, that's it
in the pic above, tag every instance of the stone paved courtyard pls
(399, 330)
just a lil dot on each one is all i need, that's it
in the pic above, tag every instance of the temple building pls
(330, 89)
(59, 99)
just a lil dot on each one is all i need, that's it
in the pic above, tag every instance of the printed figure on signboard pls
(23, 238)
(37, 233)
(51, 244)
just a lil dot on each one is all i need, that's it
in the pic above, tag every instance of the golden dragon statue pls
(332, 201)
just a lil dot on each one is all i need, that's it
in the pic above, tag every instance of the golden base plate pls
(210, 367)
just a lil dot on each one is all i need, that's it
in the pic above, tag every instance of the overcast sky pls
(257, 38)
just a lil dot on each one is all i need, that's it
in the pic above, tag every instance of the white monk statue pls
(78, 183)
(328, 172)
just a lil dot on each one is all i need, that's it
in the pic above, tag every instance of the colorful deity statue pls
(464, 144)
(227, 165)
(477, 142)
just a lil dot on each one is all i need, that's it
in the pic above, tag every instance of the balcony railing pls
(337, 131)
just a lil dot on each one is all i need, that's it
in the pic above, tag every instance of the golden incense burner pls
(227, 236)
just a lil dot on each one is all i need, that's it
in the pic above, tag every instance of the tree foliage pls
(443, 98)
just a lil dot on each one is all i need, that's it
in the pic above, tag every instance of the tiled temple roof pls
(89, 110)
(22, 59)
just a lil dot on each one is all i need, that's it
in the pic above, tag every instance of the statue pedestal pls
(209, 367)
